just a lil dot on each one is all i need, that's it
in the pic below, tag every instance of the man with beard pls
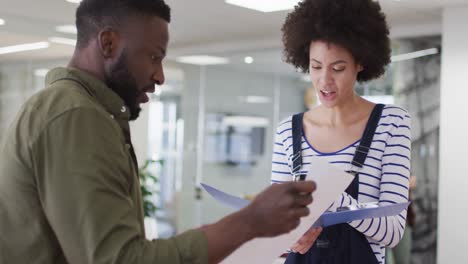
(69, 190)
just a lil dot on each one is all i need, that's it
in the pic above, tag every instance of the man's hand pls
(273, 212)
(306, 241)
(278, 209)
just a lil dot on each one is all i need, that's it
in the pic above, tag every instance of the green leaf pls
(146, 178)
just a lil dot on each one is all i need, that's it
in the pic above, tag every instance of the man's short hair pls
(94, 15)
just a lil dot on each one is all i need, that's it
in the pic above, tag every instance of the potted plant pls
(148, 183)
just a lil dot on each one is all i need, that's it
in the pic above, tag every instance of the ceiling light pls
(68, 29)
(74, 1)
(202, 60)
(414, 55)
(65, 41)
(248, 60)
(264, 5)
(41, 72)
(246, 121)
(255, 99)
(2, 22)
(24, 47)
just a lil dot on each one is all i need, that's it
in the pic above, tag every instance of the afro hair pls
(357, 25)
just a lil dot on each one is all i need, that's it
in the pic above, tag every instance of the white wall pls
(453, 180)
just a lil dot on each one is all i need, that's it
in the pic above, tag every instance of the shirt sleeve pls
(280, 170)
(84, 180)
(394, 188)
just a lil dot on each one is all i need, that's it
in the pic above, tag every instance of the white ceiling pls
(201, 26)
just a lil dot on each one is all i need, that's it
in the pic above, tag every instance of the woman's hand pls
(306, 241)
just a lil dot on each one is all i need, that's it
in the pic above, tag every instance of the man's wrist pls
(246, 223)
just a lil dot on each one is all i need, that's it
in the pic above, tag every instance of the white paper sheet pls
(331, 182)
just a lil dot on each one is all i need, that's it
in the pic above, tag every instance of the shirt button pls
(112, 116)
(128, 146)
(123, 109)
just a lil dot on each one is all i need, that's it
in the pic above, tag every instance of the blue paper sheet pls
(224, 198)
(327, 218)
(333, 218)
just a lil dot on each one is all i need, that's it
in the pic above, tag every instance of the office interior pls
(227, 88)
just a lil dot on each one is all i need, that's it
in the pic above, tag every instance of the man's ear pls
(108, 41)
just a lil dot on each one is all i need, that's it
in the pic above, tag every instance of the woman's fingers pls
(306, 241)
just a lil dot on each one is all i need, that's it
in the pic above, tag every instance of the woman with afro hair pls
(341, 42)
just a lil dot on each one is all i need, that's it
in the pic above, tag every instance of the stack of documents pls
(331, 183)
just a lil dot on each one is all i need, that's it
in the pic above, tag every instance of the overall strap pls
(297, 142)
(363, 149)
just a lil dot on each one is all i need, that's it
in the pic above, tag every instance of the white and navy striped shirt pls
(384, 177)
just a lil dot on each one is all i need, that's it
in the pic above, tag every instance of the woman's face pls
(333, 71)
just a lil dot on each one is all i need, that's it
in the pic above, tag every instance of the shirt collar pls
(96, 88)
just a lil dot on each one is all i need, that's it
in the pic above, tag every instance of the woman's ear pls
(360, 68)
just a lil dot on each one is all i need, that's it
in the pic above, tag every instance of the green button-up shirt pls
(69, 187)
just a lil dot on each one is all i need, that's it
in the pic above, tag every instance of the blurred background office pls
(227, 88)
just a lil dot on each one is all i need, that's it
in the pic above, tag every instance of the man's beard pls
(121, 81)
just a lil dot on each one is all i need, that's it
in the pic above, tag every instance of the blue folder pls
(327, 218)
(333, 218)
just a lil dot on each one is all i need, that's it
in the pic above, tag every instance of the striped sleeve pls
(280, 171)
(394, 188)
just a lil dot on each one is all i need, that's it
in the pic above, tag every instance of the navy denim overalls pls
(341, 243)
